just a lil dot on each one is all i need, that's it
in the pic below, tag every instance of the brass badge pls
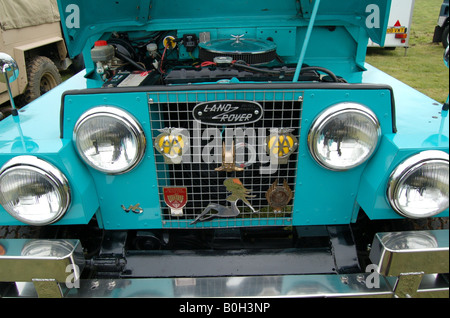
(136, 209)
(229, 160)
(176, 200)
(172, 144)
(279, 196)
(281, 144)
(238, 192)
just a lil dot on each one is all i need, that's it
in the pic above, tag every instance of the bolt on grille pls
(197, 170)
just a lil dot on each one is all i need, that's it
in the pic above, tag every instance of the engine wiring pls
(156, 52)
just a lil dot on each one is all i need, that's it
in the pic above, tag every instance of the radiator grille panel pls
(196, 173)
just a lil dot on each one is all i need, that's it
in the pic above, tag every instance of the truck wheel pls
(431, 224)
(417, 225)
(16, 232)
(43, 75)
(445, 37)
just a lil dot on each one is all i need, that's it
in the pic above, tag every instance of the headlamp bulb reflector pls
(34, 191)
(109, 140)
(344, 136)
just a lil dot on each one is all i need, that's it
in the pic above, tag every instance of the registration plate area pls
(395, 30)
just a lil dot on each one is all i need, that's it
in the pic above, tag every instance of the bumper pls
(404, 264)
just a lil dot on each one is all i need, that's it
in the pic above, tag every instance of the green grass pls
(422, 67)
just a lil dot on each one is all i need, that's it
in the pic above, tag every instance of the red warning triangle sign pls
(397, 24)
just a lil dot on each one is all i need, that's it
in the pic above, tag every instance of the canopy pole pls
(306, 41)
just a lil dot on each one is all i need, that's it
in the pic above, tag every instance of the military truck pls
(238, 149)
(30, 31)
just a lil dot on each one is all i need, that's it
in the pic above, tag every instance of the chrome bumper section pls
(47, 264)
(405, 264)
(411, 256)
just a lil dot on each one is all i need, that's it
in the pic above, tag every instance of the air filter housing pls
(252, 51)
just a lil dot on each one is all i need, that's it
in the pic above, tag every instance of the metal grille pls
(196, 173)
(250, 58)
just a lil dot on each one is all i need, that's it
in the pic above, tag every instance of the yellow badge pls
(281, 144)
(172, 144)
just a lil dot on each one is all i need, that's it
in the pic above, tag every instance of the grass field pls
(422, 67)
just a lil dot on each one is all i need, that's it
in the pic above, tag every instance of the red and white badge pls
(176, 199)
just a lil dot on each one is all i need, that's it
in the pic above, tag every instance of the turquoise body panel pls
(421, 125)
(83, 23)
(36, 133)
(286, 21)
(137, 186)
(410, 121)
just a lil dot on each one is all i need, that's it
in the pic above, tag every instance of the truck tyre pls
(43, 75)
(445, 37)
(19, 232)
(418, 225)
(431, 224)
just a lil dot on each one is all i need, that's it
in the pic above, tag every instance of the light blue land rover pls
(224, 149)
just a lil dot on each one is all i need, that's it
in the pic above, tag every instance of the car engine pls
(124, 61)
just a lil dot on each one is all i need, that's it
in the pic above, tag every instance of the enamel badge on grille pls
(228, 113)
(279, 196)
(176, 199)
(172, 144)
(281, 144)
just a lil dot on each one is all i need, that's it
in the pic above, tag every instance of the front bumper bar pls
(404, 264)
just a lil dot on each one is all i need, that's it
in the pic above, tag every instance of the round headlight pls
(418, 187)
(344, 136)
(33, 191)
(109, 140)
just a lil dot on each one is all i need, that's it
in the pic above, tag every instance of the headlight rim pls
(404, 170)
(125, 118)
(52, 174)
(325, 116)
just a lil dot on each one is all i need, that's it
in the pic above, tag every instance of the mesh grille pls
(196, 173)
(250, 58)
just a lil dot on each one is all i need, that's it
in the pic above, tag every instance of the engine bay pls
(161, 58)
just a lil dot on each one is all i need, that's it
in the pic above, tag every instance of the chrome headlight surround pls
(344, 136)
(419, 186)
(109, 140)
(34, 191)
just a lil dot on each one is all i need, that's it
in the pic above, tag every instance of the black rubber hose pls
(262, 70)
(320, 69)
(127, 59)
(280, 72)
